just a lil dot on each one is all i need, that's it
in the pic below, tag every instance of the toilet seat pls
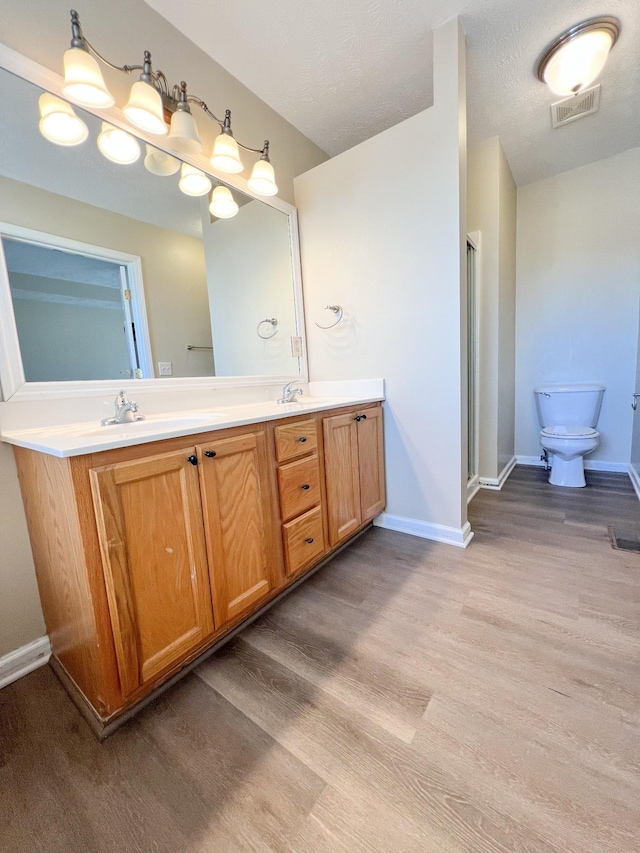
(569, 432)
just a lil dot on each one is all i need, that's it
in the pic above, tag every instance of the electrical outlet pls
(165, 368)
(296, 346)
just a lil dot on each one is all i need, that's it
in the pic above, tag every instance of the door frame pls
(474, 239)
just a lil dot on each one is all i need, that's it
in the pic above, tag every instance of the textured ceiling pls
(342, 72)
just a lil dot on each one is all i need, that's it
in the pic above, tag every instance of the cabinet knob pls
(210, 453)
(192, 459)
(309, 540)
(357, 418)
(302, 439)
(306, 487)
(364, 417)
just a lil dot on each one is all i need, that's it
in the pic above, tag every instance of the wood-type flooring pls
(411, 696)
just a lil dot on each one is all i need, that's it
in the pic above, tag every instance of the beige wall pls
(121, 29)
(491, 210)
(20, 614)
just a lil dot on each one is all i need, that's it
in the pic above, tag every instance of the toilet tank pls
(569, 405)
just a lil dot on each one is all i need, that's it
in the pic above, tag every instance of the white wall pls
(578, 274)
(491, 210)
(248, 263)
(381, 229)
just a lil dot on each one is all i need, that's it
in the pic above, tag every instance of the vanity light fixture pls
(193, 181)
(574, 60)
(160, 163)
(223, 205)
(59, 123)
(152, 102)
(117, 145)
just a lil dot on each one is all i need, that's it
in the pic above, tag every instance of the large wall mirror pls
(110, 272)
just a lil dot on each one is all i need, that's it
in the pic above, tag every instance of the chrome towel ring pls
(338, 312)
(273, 322)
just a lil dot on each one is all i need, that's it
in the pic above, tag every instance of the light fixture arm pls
(225, 125)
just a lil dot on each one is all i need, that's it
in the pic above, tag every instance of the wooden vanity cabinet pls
(300, 492)
(354, 464)
(147, 555)
(244, 562)
(149, 525)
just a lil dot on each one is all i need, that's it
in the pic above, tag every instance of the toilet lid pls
(569, 431)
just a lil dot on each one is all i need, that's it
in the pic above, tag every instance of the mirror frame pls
(14, 388)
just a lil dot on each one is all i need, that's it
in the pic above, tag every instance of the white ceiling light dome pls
(574, 60)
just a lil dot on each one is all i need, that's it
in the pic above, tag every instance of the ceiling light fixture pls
(574, 60)
(152, 103)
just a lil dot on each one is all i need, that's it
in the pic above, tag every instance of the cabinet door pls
(238, 526)
(152, 541)
(371, 462)
(341, 467)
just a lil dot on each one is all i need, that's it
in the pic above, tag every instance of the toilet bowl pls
(568, 415)
(569, 445)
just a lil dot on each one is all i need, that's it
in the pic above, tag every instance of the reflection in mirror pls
(208, 282)
(65, 302)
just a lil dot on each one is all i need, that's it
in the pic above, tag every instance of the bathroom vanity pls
(148, 555)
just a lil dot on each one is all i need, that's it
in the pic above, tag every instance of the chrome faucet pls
(288, 394)
(125, 412)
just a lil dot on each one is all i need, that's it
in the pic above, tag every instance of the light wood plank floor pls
(409, 697)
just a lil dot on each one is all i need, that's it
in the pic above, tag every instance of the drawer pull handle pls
(309, 540)
(306, 487)
(302, 439)
(192, 459)
(210, 453)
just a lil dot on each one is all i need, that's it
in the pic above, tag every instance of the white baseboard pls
(24, 660)
(589, 464)
(496, 483)
(472, 488)
(460, 537)
(634, 476)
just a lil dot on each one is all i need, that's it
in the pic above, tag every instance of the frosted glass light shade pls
(576, 63)
(225, 154)
(160, 163)
(117, 145)
(144, 109)
(193, 181)
(59, 123)
(183, 135)
(223, 205)
(262, 180)
(83, 81)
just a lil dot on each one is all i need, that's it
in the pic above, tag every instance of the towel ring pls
(337, 310)
(274, 322)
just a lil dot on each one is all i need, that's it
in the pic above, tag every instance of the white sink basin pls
(153, 424)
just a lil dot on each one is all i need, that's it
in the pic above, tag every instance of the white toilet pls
(568, 415)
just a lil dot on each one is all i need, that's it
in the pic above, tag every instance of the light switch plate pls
(296, 346)
(165, 368)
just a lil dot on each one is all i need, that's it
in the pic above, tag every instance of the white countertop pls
(78, 438)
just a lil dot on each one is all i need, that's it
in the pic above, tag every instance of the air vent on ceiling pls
(577, 106)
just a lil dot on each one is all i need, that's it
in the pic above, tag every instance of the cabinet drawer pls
(294, 440)
(299, 487)
(303, 541)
